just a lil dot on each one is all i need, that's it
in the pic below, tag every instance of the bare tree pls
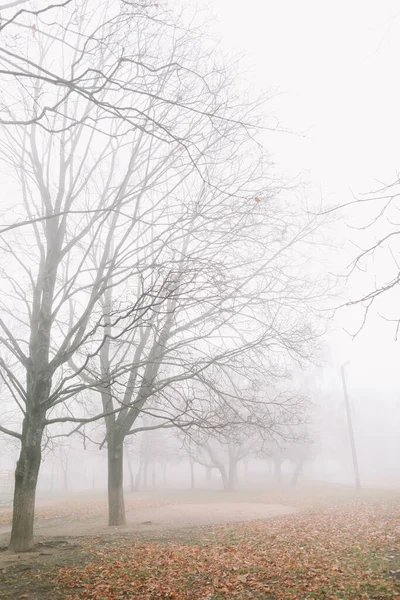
(54, 281)
(219, 320)
(57, 316)
(375, 268)
(156, 252)
(221, 455)
(101, 214)
(296, 452)
(262, 429)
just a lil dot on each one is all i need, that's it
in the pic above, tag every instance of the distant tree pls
(275, 418)
(297, 452)
(153, 448)
(223, 456)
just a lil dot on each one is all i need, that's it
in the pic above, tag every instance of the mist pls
(199, 291)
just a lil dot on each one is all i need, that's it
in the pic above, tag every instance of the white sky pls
(337, 64)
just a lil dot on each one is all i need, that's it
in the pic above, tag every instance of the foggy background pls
(332, 71)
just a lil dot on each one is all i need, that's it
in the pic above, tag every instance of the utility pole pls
(351, 432)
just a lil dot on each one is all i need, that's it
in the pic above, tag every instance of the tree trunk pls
(116, 505)
(153, 476)
(225, 478)
(26, 477)
(225, 481)
(297, 471)
(208, 473)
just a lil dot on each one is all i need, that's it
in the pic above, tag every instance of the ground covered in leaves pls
(349, 551)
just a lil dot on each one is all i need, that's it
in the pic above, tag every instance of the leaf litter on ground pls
(331, 553)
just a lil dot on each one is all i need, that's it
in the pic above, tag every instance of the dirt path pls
(160, 518)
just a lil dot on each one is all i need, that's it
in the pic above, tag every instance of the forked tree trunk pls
(26, 477)
(116, 504)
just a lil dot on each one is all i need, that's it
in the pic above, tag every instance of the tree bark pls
(26, 477)
(116, 504)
